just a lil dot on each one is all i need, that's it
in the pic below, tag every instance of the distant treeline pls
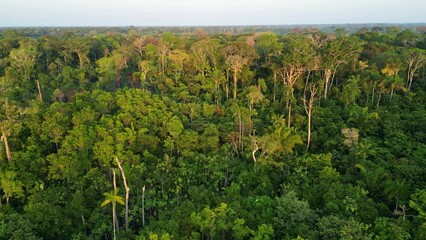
(233, 29)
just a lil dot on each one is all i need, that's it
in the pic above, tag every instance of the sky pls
(207, 12)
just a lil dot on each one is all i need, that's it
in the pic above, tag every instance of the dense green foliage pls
(259, 136)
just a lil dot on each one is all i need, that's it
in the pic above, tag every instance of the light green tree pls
(10, 185)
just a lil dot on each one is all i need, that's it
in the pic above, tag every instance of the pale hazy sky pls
(207, 12)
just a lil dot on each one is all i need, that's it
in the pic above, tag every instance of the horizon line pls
(224, 25)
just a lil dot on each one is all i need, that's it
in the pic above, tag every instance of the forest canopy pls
(259, 135)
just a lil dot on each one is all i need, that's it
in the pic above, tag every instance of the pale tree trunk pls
(163, 65)
(80, 59)
(275, 86)
(255, 145)
(327, 81)
(6, 146)
(235, 84)
(288, 104)
(84, 222)
(333, 76)
(289, 78)
(143, 75)
(40, 97)
(203, 73)
(127, 193)
(308, 104)
(113, 219)
(216, 91)
(240, 130)
(242, 136)
(414, 63)
(116, 225)
(409, 77)
(143, 206)
(289, 116)
(253, 154)
(307, 81)
(410, 64)
(227, 85)
(309, 128)
(409, 84)
(378, 99)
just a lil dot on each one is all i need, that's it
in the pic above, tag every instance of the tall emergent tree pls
(237, 56)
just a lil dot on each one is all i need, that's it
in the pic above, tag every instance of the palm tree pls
(280, 140)
(397, 190)
(373, 177)
(113, 198)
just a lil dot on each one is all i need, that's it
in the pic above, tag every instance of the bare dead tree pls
(127, 192)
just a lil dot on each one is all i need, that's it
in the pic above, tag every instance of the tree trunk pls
(235, 84)
(308, 104)
(240, 130)
(327, 80)
(242, 136)
(227, 85)
(275, 86)
(216, 91)
(163, 65)
(127, 192)
(253, 154)
(410, 81)
(40, 97)
(143, 206)
(117, 226)
(80, 59)
(113, 219)
(408, 74)
(306, 82)
(288, 105)
(309, 127)
(378, 99)
(289, 116)
(84, 222)
(333, 76)
(6, 146)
